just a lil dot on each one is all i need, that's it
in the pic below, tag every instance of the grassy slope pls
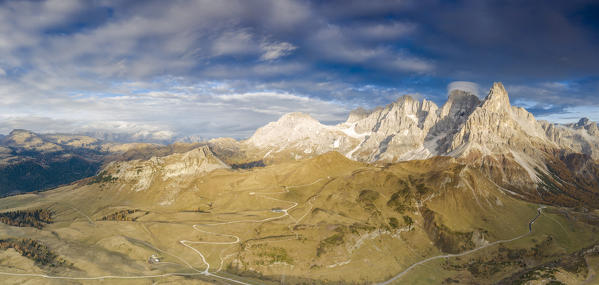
(350, 226)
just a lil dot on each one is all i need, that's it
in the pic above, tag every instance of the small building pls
(276, 210)
(153, 259)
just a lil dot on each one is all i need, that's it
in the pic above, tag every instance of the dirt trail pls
(399, 275)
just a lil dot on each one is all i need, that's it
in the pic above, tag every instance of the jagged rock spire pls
(412, 129)
(497, 100)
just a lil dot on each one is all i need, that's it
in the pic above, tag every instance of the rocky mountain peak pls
(586, 124)
(29, 140)
(405, 98)
(20, 136)
(457, 95)
(583, 122)
(295, 117)
(460, 104)
(199, 153)
(497, 100)
(290, 127)
(357, 114)
(412, 129)
(406, 102)
(19, 132)
(142, 174)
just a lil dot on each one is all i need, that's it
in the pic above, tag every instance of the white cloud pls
(383, 31)
(37, 123)
(127, 131)
(234, 43)
(262, 95)
(549, 93)
(464, 86)
(273, 51)
(413, 64)
(131, 71)
(288, 14)
(572, 114)
(333, 43)
(163, 113)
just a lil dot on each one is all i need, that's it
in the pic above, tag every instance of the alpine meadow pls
(299, 142)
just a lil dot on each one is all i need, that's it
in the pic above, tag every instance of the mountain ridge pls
(506, 142)
(410, 129)
(301, 208)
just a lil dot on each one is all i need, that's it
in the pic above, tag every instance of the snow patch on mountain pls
(411, 129)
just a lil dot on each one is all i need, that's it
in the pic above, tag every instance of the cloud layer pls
(163, 69)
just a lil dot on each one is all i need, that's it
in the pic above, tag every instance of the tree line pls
(37, 218)
(33, 250)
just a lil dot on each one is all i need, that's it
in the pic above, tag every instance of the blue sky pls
(158, 70)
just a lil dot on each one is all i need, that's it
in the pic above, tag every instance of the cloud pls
(571, 114)
(165, 113)
(143, 64)
(234, 43)
(38, 123)
(108, 130)
(579, 92)
(333, 43)
(464, 86)
(383, 31)
(408, 63)
(273, 51)
(526, 41)
(124, 131)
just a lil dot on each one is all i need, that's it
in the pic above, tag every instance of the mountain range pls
(475, 191)
(521, 154)
(409, 129)
(33, 162)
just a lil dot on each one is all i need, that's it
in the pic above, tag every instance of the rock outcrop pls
(298, 135)
(410, 129)
(506, 142)
(143, 173)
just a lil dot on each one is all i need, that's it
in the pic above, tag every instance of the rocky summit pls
(476, 191)
(213, 142)
(410, 129)
(506, 141)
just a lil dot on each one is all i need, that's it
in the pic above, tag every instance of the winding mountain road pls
(236, 239)
(399, 275)
(188, 244)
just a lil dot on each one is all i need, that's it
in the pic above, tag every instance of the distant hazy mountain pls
(190, 139)
(159, 137)
(30, 162)
(33, 162)
(474, 192)
(505, 142)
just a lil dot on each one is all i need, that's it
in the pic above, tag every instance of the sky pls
(163, 70)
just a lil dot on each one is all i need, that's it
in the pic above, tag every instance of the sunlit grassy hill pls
(318, 220)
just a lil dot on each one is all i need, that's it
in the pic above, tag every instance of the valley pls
(488, 203)
(268, 225)
(299, 142)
